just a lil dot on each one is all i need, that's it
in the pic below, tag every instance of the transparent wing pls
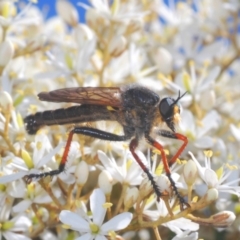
(84, 95)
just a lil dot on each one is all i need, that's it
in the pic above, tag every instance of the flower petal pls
(210, 177)
(110, 166)
(87, 236)
(97, 199)
(21, 223)
(14, 236)
(118, 222)
(100, 237)
(74, 221)
(12, 177)
(204, 142)
(22, 206)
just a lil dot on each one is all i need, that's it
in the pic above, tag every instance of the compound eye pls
(166, 107)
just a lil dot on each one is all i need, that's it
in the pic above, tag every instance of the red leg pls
(180, 150)
(158, 146)
(174, 135)
(78, 130)
(61, 165)
(133, 145)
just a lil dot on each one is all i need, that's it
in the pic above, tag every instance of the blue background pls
(48, 7)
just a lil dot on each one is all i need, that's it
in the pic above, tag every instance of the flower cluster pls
(168, 48)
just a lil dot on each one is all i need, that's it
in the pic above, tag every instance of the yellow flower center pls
(2, 187)
(31, 190)
(6, 225)
(94, 228)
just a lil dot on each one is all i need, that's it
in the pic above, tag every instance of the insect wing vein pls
(86, 95)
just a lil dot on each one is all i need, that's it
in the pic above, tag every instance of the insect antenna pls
(179, 97)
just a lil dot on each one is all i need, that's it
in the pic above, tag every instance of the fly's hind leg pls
(133, 145)
(87, 131)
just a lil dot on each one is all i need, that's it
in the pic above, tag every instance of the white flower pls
(66, 64)
(32, 193)
(163, 60)
(127, 172)
(113, 147)
(43, 160)
(132, 63)
(6, 101)
(6, 52)
(185, 235)
(190, 41)
(26, 165)
(174, 15)
(198, 134)
(118, 12)
(176, 225)
(215, 181)
(13, 228)
(235, 132)
(105, 182)
(26, 17)
(67, 12)
(95, 228)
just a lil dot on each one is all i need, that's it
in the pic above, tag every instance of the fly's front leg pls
(92, 132)
(174, 135)
(158, 146)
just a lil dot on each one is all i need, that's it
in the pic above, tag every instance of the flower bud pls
(43, 214)
(82, 33)
(131, 197)
(145, 188)
(95, 20)
(212, 195)
(190, 172)
(105, 182)
(117, 46)
(163, 60)
(207, 100)
(36, 43)
(164, 184)
(6, 52)
(223, 219)
(67, 12)
(81, 173)
(7, 9)
(133, 26)
(6, 102)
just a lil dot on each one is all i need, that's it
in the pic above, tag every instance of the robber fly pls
(136, 108)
